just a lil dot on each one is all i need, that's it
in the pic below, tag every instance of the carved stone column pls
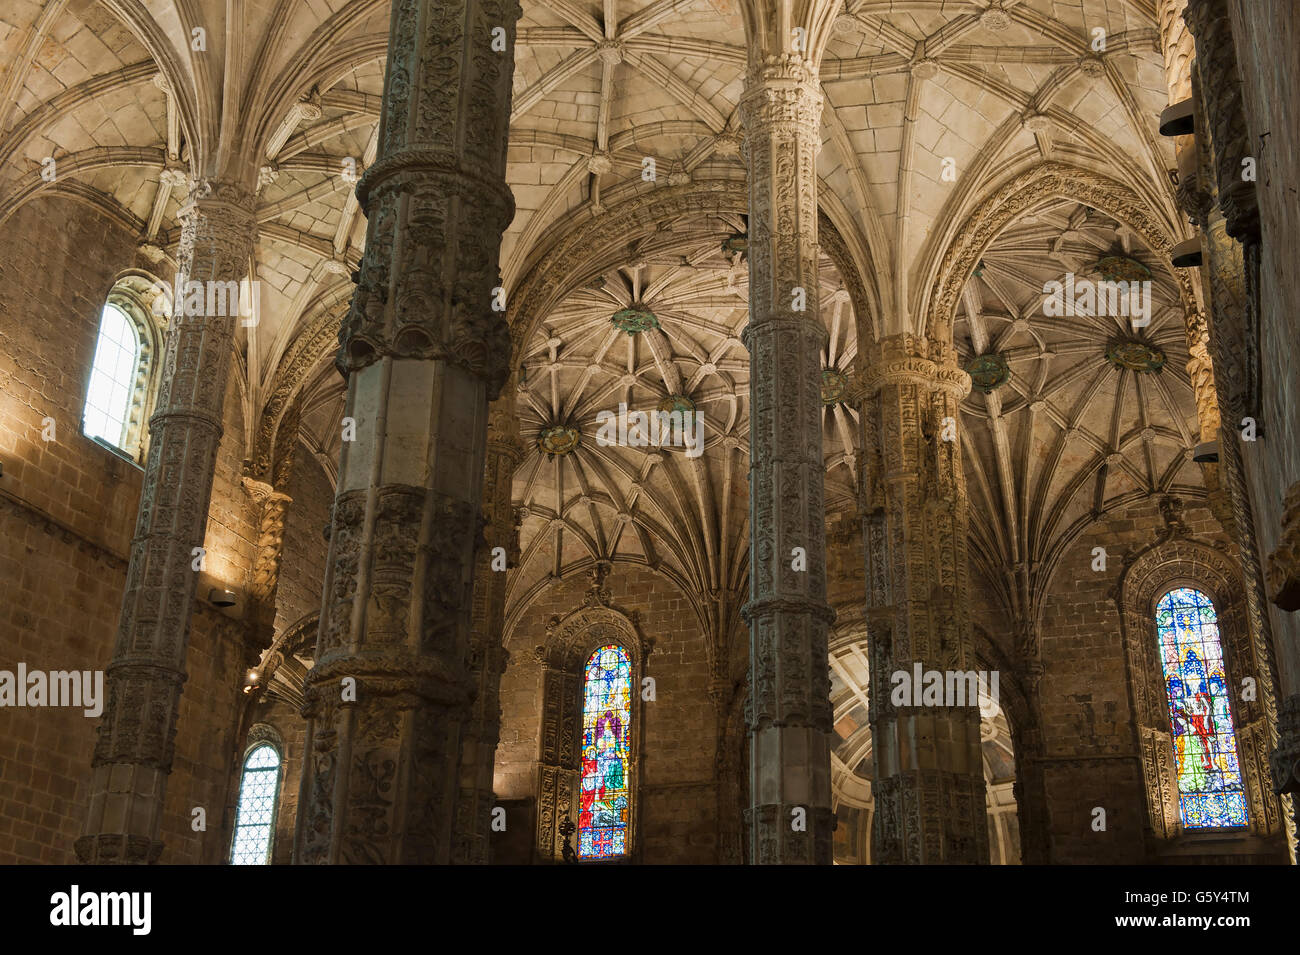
(789, 716)
(1228, 216)
(1030, 748)
(929, 780)
(1179, 49)
(488, 656)
(423, 352)
(134, 749)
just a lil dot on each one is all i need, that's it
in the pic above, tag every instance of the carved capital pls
(905, 359)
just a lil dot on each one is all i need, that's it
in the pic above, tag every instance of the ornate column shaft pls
(488, 657)
(134, 749)
(789, 712)
(1228, 216)
(423, 352)
(929, 778)
(1030, 747)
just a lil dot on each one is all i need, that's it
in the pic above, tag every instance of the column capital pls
(906, 359)
(781, 90)
(262, 493)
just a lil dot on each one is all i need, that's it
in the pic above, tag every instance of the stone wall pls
(678, 801)
(1091, 752)
(302, 568)
(1267, 37)
(67, 514)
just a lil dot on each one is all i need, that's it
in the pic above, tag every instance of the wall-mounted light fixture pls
(252, 680)
(1186, 254)
(1178, 119)
(219, 597)
(1206, 452)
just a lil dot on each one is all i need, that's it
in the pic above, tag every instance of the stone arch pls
(315, 344)
(1020, 193)
(519, 602)
(260, 733)
(1179, 560)
(570, 640)
(592, 245)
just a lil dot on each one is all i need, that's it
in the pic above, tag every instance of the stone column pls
(789, 711)
(1225, 208)
(423, 351)
(488, 656)
(1030, 748)
(1179, 49)
(929, 776)
(134, 749)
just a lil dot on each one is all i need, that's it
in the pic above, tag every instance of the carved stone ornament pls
(739, 242)
(995, 20)
(835, 385)
(558, 440)
(1122, 268)
(681, 403)
(988, 372)
(1135, 355)
(1037, 123)
(1284, 562)
(635, 318)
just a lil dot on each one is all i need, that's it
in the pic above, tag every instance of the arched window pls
(606, 726)
(112, 379)
(1211, 794)
(259, 790)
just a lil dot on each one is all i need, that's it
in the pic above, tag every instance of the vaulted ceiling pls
(929, 106)
(1095, 411)
(672, 507)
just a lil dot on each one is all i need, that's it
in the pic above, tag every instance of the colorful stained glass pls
(1210, 790)
(606, 721)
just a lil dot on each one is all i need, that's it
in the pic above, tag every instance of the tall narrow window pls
(606, 726)
(259, 789)
(1210, 790)
(112, 379)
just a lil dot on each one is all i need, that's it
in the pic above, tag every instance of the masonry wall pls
(1267, 37)
(1091, 754)
(67, 514)
(302, 567)
(678, 790)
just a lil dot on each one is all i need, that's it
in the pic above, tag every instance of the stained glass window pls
(255, 817)
(606, 721)
(112, 378)
(1210, 790)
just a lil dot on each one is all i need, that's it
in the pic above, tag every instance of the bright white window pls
(112, 378)
(255, 818)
